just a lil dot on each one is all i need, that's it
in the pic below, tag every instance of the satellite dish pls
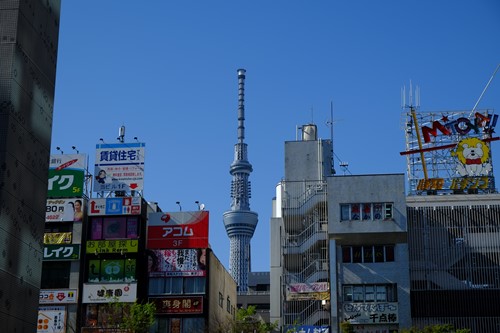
(202, 206)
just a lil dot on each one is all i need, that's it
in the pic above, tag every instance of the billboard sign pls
(112, 246)
(178, 305)
(119, 167)
(105, 293)
(62, 296)
(66, 175)
(371, 313)
(308, 291)
(51, 319)
(64, 210)
(57, 237)
(115, 206)
(177, 262)
(449, 152)
(61, 252)
(178, 230)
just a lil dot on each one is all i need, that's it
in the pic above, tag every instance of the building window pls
(228, 305)
(117, 227)
(177, 285)
(368, 253)
(221, 300)
(370, 293)
(111, 270)
(366, 211)
(55, 274)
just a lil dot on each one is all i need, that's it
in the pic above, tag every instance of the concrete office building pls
(338, 245)
(29, 32)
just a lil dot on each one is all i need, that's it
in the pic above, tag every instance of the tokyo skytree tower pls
(240, 221)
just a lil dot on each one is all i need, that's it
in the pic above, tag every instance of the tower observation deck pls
(240, 222)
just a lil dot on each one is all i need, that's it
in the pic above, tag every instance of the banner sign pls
(177, 230)
(62, 296)
(370, 313)
(57, 237)
(115, 206)
(308, 291)
(309, 329)
(66, 175)
(112, 270)
(105, 293)
(177, 262)
(178, 305)
(51, 319)
(119, 167)
(112, 246)
(61, 252)
(64, 210)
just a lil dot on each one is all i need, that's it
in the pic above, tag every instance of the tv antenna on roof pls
(410, 97)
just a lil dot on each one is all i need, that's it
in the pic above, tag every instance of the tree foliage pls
(247, 322)
(439, 328)
(130, 317)
(346, 327)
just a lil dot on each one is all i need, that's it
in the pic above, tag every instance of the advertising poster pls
(178, 230)
(119, 167)
(64, 210)
(66, 296)
(51, 319)
(57, 237)
(66, 175)
(177, 262)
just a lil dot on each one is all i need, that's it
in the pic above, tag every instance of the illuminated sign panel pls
(66, 175)
(57, 237)
(51, 319)
(177, 262)
(177, 230)
(61, 252)
(174, 305)
(64, 210)
(62, 296)
(113, 246)
(103, 293)
(449, 152)
(119, 167)
(115, 206)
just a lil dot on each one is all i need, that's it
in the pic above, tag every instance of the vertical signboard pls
(178, 230)
(66, 175)
(177, 262)
(119, 167)
(51, 319)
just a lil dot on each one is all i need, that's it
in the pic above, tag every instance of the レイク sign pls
(178, 230)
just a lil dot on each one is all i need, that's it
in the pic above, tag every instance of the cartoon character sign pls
(473, 156)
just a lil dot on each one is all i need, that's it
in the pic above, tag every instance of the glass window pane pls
(368, 253)
(194, 285)
(379, 254)
(132, 227)
(388, 211)
(377, 211)
(357, 294)
(367, 211)
(389, 253)
(346, 254)
(369, 293)
(347, 293)
(381, 293)
(190, 325)
(344, 212)
(176, 285)
(156, 286)
(357, 254)
(355, 213)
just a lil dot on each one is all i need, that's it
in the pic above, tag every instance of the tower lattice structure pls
(240, 222)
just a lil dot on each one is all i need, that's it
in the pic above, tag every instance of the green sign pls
(65, 183)
(61, 252)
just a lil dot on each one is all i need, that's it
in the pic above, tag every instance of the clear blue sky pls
(167, 71)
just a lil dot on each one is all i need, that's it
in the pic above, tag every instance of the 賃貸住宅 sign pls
(64, 210)
(61, 252)
(115, 206)
(178, 305)
(464, 139)
(66, 175)
(119, 167)
(370, 313)
(60, 296)
(51, 319)
(104, 293)
(112, 246)
(177, 230)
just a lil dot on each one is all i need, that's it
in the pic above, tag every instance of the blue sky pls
(166, 70)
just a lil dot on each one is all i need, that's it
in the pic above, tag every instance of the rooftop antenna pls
(484, 90)
(330, 123)
(121, 134)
